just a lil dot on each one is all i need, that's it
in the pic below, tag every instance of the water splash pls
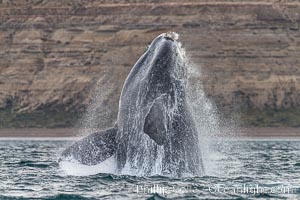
(72, 167)
(213, 129)
(98, 115)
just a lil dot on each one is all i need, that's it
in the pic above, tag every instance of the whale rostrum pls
(155, 133)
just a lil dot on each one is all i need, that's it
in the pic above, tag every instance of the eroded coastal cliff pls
(54, 55)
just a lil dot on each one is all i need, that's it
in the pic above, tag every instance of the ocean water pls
(235, 169)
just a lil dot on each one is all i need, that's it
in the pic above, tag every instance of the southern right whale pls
(155, 132)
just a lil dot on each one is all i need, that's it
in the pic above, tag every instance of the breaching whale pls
(155, 133)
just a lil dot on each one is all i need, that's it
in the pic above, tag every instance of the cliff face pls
(54, 54)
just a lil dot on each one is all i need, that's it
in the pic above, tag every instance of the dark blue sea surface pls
(235, 169)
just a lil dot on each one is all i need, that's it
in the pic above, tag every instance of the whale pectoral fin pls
(92, 149)
(154, 125)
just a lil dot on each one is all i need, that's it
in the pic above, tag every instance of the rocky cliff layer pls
(54, 54)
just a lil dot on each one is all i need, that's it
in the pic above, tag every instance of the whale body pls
(155, 133)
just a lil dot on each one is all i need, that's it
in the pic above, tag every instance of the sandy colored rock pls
(54, 53)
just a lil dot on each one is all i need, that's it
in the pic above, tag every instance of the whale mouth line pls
(171, 36)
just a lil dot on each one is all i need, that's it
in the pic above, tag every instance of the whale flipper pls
(93, 149)
(155, 122)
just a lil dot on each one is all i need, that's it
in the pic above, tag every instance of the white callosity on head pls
(172, 35)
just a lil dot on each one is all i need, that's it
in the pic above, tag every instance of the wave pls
(54, 197)
(72, 167)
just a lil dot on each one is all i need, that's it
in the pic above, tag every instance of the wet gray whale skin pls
(155, 132)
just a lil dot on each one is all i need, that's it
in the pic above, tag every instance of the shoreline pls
(249, 132)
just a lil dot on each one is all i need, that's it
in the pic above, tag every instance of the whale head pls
(160, 67)
(165, 56)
